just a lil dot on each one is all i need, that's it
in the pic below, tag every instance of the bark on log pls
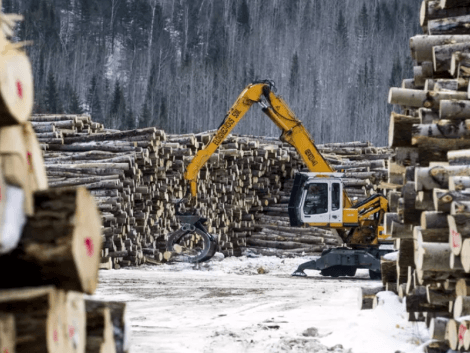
(439, 297)
(433, 257)
(421, 99)
(411, 215)
(454, 109)
(437, 328)
(422, 45)
(443, 129)
(442, 55)
(449, 25)
(428, 178)
(432, 220)
(418, 303)
(459, 158)
(447, 4)
(443, 198)
(428, 116)
(460, 65)
(388, 270)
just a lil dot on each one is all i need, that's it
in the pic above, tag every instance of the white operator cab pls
(322, 198)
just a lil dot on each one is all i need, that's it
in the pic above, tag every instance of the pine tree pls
(75, 106)
(216, 50)
(94, 101)
(342, 32)
(396, 74)
(145, 116)
(118, 106)
(130, 120)
(294, 78)
(52, 100)
(243, 18)
(163, 118)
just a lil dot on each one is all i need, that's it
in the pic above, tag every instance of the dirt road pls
(229, 307)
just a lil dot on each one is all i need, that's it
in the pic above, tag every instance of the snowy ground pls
(228, 307)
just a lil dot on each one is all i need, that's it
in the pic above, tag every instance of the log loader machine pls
(318, 198)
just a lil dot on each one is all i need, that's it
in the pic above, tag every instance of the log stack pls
(137, 175)
(50, 239)
(429, 176)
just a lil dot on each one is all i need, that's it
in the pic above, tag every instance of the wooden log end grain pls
(7, 333)
(63, 238)
(38, 314)
(365, 297)
(16, 82)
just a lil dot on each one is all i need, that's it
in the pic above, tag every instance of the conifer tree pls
(75, 106)
(294, 78)
(52, 100)
(243, 18)
(145, 116)
(118, 106)
(94, 101)
(342, 32)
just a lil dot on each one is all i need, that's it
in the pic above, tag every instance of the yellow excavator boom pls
(293, 132)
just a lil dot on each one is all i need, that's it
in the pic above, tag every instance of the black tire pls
(374, 275)
(336, 271)
(351, 271)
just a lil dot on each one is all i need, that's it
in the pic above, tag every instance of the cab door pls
(336, 211)
(316, 202)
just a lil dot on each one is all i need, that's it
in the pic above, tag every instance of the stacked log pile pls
(429, 188)
(244, 188)
(50, 239)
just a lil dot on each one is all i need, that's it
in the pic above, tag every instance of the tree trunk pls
(428, 178)
(421, 99)
(449, 26)
(422, 45)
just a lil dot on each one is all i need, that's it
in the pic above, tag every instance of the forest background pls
(180, 64)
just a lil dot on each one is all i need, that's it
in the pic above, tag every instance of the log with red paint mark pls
(60, 245)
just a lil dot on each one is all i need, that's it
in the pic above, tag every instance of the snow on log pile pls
(429, 178)
(50, 239)
(243, 190)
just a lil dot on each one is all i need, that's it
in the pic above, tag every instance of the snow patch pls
(14, 218)
(392, 256)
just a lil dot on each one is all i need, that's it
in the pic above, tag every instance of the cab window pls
(316, 200)
(335, 197)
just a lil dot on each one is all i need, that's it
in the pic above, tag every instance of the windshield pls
(316, 200)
